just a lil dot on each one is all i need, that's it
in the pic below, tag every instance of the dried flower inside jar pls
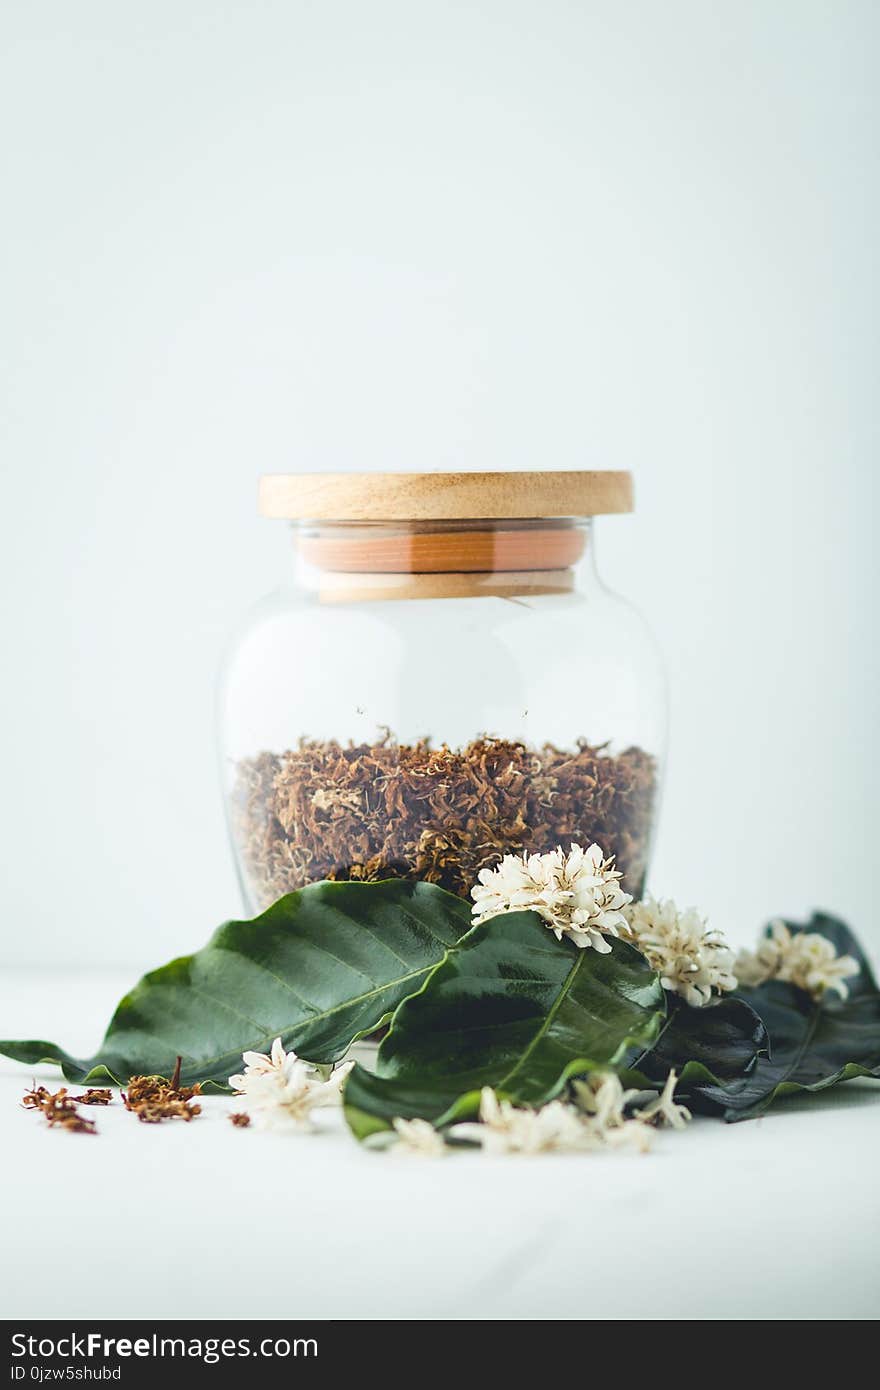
(388, 810)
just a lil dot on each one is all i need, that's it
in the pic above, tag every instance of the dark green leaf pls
(372, 1102)
(512, 1008)
(813, 1044)
(717, 1043)
(321, 967)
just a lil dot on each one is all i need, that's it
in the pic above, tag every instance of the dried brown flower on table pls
(58, 1109)
(155, 1098)
(36, 1098)
(93, 1096)
(239, 1119)
(388, 810)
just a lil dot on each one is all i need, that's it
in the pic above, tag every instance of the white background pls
(263, 237)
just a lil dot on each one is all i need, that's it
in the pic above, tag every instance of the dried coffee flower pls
(37, 1098)
(155, 1098)
(280, 1091)
(578, 895)
(239, 1119)
(324, 810)
(418, 1138)
(58, 1109)
(93, 1096)
(690, 959)
(805, 959)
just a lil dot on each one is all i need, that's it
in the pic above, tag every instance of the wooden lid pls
(442, 496)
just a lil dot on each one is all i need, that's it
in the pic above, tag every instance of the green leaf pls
(372, 1102)
(511, 1008)
(714, 1044)
(813, 1043)
(321, 967)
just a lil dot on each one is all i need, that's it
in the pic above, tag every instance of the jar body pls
(376, 727)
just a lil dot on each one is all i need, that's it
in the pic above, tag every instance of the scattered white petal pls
(690, 959)
(418, 1138)
(507, 1128)
(631, 1134)
(279, 1091)
(805, 959)
(578, 895)
(663, 1109)
(602, 1097)
(597, 1120)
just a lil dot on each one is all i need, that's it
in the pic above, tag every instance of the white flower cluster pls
(690, 959)
(597, 1120)
(603, 1097)
(504, 1128)
(806, 959)
(280, 1091)
(578, 894)
(579, 897)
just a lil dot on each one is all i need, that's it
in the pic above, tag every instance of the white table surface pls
(776, 1218)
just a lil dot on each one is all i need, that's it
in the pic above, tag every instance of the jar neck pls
(351, 561)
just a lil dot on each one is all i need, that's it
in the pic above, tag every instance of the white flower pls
(505, 1128)
(578, 895)
(419, 1138)
(764, 963)
(663, 1109)
(280, 1091)
(689, 958)
(260, 1064)
(604, 1101)
(806, 959)
(602, 1097)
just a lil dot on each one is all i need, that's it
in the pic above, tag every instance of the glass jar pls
(443, 680)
